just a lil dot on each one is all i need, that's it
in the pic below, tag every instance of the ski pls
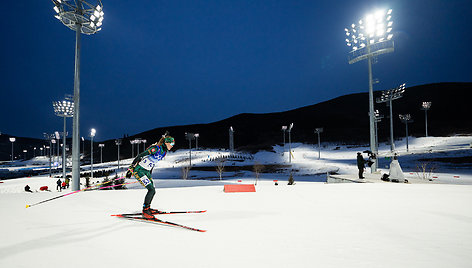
(160, 213)
(154, 220)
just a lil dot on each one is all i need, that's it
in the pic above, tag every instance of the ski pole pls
(116, 185)
(47, 200)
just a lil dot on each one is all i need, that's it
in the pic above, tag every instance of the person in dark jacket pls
(360, 165)
(27, 188)
(59, 185)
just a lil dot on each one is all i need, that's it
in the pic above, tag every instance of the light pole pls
(92, 134)
(144, 145)
(406, 118)
(25, 151)
(378, 118)
(369, 38)
(388, 96)
(49, 137)
(118, 143)
(189, 137)
(426, 106)
(101, 145)
(196, 140)
(231, 139)
(53, 143)
(81, 17)
(319, 131)
(64, 109)
(284, 128)
(290, 143)
(138, 142)
(83, 145)
(12, 140)
(132, 147)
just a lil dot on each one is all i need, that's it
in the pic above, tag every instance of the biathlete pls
(142, 166)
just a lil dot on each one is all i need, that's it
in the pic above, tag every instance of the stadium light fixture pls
(231, 139)
(86, 18)
(12, 140)
(378, 118)
(92, 134)
(197, 135)
(101, 145)
(370, 37)
(406, 118)
(190, 137)
(118, 143)
(284, 129)
(319, 131)
(144, 144)
(388, 96)
(290, 143)
(49, 138)
(64, 109)
(426, 106)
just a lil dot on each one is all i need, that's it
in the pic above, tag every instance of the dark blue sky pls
(163, 63)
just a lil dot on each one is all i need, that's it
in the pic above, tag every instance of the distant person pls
(28, 189)
(67, 182)
(59, 185)
(396, 172)
(142, 166)
(360, 165)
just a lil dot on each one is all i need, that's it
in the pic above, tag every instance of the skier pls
(141, 169)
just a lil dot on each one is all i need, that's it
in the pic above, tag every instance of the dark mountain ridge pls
(344, 120)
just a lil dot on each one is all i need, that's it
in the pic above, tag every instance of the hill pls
(344, 119)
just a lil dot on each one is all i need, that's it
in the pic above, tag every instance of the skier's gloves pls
(129, 173)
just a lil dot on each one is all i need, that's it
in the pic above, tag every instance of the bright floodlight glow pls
(92, 132)
(72, 13)
(12, 139)
(373, 28)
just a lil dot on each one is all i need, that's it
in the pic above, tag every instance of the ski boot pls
(155, 211)
(147, 213)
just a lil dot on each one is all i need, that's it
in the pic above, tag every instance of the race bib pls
(145, 180)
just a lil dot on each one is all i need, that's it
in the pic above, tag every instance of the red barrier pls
(239, 188)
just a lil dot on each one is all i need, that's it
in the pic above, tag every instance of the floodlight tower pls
(92, 134)
(406, 118)
(378, 118)
(144, 144)
(118, 143)
(81, 17)
(284, 128)
(369, 38)
(190, 137)
(12, 140)
(101, 145)
(197, 135)
(388, 96)
(231, 139)
(319, 131)
(64, 109)
(426, 106)
(290, 143)
(49, 138)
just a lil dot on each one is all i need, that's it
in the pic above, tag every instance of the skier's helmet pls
(170, 140)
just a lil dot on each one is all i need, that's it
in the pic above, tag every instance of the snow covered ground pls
(309, 224)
